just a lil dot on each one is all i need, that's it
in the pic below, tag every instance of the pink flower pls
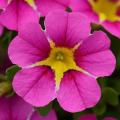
(62, 62)
(16, 13)
(104, 12)
(14, 108)
(93, 117)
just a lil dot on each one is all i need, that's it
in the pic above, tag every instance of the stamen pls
(76, 47)
(52, 44)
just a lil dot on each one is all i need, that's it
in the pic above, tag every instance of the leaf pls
(45, 110)
(100, 108)
(111, 96)
(11, 72)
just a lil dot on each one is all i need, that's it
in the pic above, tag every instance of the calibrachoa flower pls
(16, 13)
(14, 108)
(51, 116)
(93, 117)
(104, 12)
(62, 62)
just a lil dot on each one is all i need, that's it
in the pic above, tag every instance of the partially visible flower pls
(88, 117)
(93, 117)
(63, 62)
(50, 116)
(14, 108)
(16, 13)
(104, 12)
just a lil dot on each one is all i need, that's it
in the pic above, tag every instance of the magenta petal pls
(94, 55)
(50, 116)
(78, 92)
(35, 85)
(45, 6)
(3, 3)
(79, 5)
(67, 28)
(84, 7)
(17, 14)
(112, 27)
(88, 117)
(14, 108)
(30, 48)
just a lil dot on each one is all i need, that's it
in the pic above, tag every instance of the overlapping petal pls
(112, 27)
(46, 6)
(29, 47)
(94, 55)
(78, 92)
(14, 108)
(67, 29)
(35, 85)
(17, 14)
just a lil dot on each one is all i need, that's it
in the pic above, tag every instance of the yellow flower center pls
(106, 9)
(61, 60)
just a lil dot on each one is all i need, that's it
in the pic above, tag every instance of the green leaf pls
(110, 96)
(117, 86)
(100, 108)
(11, 72)
(45, 110)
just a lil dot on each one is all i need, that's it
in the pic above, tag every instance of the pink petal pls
(67, 29)
(14, 108)
(3, 3)
(17, 14)
(31, 47)
(88, 117)
(35, 85)
(84, 7)
(78, 5)
(94, 55)
(112, 27)
(78, 92)
(51, 116)
(45, 6)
